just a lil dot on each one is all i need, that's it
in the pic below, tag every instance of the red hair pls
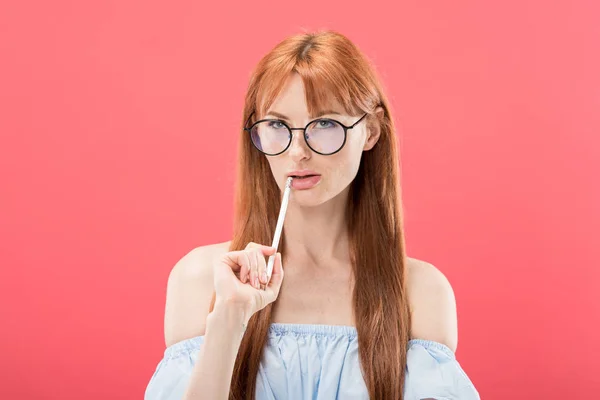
(332, 69)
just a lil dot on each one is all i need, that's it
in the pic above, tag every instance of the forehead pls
(296, 99)
(293, 94)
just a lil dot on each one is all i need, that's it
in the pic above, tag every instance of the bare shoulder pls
(189, 293)
(432, 304)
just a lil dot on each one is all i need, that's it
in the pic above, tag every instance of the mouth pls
(302, 173)
(304, 182)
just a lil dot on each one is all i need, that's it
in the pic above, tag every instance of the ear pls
(373, 128)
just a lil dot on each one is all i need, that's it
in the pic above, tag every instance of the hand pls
(240, 276)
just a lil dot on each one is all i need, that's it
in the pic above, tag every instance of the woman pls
(354, 317)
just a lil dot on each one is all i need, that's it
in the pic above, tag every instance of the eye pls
(325, 123)
(276, 124)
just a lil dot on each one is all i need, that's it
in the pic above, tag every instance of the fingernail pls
(264, 277)
(256, 285)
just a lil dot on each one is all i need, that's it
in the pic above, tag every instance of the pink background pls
(119, 122)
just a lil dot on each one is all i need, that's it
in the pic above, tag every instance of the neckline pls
(279, 328)
(282, 328)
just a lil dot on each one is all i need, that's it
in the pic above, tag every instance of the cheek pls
(275, 164)
(277, 169)
(345, 167)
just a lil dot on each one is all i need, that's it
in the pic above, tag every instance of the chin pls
(307, 198)
(314, 197)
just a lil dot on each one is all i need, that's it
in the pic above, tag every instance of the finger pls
(278, 268)
(254, 269)
(251, 245)
(276, 280)
(245, 273)
(238, 262)
(262, 269)
(266, 250)
(271, 266)
(260, 279)
(250, 267)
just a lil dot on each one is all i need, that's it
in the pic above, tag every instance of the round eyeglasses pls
(324, 136)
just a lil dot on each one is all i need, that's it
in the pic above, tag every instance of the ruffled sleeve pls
(172, 374)
(433, 372)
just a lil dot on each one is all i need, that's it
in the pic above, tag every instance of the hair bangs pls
(327, 85)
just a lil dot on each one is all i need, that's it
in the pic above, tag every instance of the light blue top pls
(320, 362)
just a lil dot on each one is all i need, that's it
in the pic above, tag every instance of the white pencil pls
(279, 227)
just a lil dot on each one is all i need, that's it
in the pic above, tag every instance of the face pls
(337, 170)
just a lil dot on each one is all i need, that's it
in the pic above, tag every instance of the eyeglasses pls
(324, 136)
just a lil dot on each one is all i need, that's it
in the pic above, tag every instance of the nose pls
(299, 150)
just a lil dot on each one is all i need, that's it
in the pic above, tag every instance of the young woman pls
(354, 318)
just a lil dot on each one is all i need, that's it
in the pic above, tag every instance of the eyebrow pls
(320, 113)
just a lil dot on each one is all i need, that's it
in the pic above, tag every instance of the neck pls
(317, 234)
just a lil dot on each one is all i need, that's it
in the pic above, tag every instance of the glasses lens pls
(325, 136)
(270, 137)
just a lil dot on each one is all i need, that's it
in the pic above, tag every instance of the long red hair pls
(332, 67)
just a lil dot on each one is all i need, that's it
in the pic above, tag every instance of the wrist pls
(230, 317)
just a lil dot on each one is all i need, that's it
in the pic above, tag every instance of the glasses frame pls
(290, 129)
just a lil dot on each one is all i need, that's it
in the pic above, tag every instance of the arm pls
(211, 376)
(203, 367)
(208, 373)
(432, 303)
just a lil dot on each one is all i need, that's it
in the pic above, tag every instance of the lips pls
(305, 182)
(301, 173)
(302, 176)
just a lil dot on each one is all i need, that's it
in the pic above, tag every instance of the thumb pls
(277, 268)
(276, 278)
